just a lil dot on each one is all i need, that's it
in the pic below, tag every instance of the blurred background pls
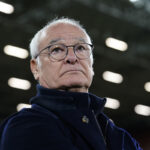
(120, 30)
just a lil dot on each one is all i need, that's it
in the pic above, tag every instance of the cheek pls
(49, 76)
(50, 73)
(91, 73)
(45, 70)
(90, 68)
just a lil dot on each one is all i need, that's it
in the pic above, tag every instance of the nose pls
(71, 58)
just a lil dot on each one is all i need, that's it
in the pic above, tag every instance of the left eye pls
(80, 48)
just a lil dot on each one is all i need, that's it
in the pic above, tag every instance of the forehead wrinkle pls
(81, 39)
(55, 41)
(60, 39)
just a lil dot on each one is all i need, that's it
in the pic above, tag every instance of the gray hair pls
(34, 44)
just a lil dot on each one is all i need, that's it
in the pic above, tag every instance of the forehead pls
(66, 33)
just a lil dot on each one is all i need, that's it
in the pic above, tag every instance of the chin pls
(71, 82)
(74, 81)
(74, 84)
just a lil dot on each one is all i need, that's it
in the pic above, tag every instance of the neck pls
(74, 88)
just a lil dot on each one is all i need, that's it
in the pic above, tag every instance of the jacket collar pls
(62, 100)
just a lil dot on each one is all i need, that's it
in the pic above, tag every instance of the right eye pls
(56, 50)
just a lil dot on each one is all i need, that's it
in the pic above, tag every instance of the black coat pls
(64, 121)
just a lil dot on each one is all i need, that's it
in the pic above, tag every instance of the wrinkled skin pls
(70, 74)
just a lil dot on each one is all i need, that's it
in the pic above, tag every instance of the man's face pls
(69, 74)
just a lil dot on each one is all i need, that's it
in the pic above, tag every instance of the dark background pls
(120, 19)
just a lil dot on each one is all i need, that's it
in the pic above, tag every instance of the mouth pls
(72, 71)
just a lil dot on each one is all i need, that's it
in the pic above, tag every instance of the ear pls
(34, 68)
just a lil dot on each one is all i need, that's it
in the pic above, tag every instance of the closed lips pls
(72, 70)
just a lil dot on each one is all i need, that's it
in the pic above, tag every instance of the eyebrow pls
(81, 39)
(54, 41)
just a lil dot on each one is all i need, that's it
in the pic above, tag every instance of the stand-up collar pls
(63, 100)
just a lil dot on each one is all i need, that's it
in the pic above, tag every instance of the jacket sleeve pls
(117, 138)
(34, 133)
(130, 142)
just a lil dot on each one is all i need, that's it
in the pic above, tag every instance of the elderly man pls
(64, 116)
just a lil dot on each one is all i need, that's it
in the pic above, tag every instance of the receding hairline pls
(53, 25)
(42, 33)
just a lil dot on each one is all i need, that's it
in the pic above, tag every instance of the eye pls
(56, 50)
(80, 48)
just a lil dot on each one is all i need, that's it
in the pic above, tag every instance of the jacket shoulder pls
(33, 128)
(113, 133)
(30, 116)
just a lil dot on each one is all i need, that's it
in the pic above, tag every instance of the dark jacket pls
(64, 121)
